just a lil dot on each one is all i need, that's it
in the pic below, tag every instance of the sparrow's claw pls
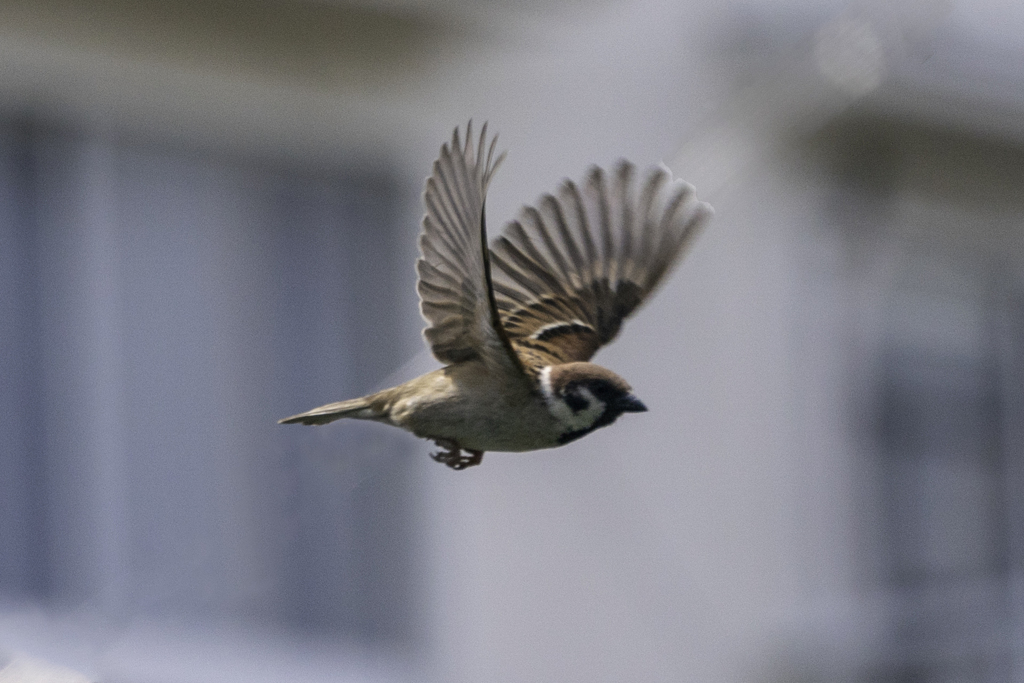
(475, 458)
(452, 455)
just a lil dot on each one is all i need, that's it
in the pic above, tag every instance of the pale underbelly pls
(501, 429)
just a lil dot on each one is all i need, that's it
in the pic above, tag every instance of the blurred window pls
(160, 309)
(942, 464)
(932, 218)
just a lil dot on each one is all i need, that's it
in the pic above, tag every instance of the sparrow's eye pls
(605, 392)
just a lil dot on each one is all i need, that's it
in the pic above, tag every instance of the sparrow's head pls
(584, 396)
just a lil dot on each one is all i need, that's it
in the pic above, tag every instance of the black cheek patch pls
(606, 419)
(575, 402)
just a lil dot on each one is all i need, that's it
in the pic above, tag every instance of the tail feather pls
(358, 408)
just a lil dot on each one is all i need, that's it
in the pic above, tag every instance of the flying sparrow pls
(516, 324)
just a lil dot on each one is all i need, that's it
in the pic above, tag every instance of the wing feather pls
(558, 282)
(454, 265)
(566, 274)
(553, 214)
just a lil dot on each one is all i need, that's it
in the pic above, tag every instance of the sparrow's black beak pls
(630, 404)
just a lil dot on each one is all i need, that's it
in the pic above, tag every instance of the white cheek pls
(576, 421)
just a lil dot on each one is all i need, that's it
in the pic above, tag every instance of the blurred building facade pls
(207, 221)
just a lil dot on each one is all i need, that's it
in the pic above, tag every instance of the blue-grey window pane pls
(163, 308)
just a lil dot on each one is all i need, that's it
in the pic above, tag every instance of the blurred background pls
(208, 219)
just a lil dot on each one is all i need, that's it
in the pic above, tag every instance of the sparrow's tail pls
(358, 408)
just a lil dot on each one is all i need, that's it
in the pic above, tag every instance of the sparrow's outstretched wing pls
(454, 269)
(568, 272)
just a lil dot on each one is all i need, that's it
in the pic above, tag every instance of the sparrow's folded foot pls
(452, 455)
